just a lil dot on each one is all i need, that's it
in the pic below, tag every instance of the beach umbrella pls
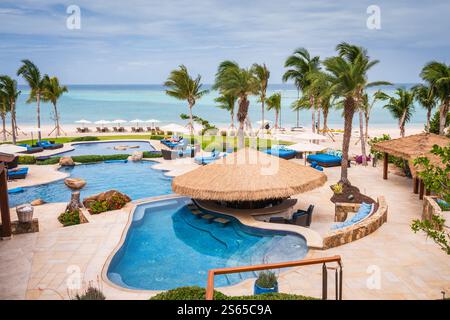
(118, 121)
(310, 136)
(102, 122)
(264, 121)
(175, 128)
(153, 121)
(137, 121)
(84, 122)
(306, 147)
(10, 148)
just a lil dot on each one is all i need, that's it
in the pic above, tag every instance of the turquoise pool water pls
(107, 148)
(167, 246)
(136, 179)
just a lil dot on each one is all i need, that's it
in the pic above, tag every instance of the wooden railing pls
(338, 271)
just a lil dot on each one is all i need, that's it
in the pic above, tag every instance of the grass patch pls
(198, 293)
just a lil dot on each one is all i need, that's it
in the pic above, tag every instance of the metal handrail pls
(298, 263)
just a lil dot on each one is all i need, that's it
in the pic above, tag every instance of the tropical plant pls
(301, 65)
(69, 218)
(266, 279)
(52, 92)
(349, 80)
(203, 122)
(400, 107)
(227, 102)
(181, 86)
(238, 82)
(425, 97)
(435, 122)
(337, 188)
(30, 72)
(9, 95)
(262, 74)
(274, 103)
(434, 229)
(437, 75)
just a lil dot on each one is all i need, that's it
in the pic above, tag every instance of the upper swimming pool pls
(136, 179)
(108, 148)
(166, 246)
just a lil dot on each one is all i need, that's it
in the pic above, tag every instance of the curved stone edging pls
(358, 230)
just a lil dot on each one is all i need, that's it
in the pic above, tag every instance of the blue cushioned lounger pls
(324, 160)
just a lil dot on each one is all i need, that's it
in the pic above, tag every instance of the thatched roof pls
(414, 146)
(248, 175)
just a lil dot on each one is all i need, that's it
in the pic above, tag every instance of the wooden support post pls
(385, 165)
(416, 185)
(421, 189)
(427, 192)
(324, 282)
(4, 204)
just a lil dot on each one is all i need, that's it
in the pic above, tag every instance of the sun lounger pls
(284, 153)
(31, 149)
(20, 173)
(207, 159)
(325, 159)
(115, 129)
(16, 190)
(13, 164)
(80, 130)
(300, 218)
(48, 145)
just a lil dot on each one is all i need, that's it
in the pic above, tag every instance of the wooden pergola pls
(4, 202)
(410, 148)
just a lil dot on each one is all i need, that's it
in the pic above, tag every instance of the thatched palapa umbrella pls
(248, 175)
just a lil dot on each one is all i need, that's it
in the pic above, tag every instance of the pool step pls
(223, 221)
(208, 217)
(196, 212)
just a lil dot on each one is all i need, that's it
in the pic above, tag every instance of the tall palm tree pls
(181, 86)
(236, 81)
(52, 92)
(437, 75)
(262, 74)
(30, 72)
(319, 89)
(425, 97)
(227, 102)
(274, 103)
(349, 80)
(301, 64)
(9, 92)
(400, 107)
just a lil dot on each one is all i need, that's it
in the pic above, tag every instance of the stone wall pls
(341, 210)
(359, 230)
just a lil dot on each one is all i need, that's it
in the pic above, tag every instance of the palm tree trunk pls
(318, 120)
(349, 111)
(298, 111)
(58, 131)
(38, 110)
(366, 135)
(232, 119)
(443, 111)
(242, 116)
(313, 116)
(3, 115)
(427, 128)
(191, 126)
(262, 112)
(325, 122)
(276, 119)
(13, 122)
(361, 136)
(402, 124)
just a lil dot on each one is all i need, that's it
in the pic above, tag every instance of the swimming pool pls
(107, 148)
(136, 179)
(166, 246)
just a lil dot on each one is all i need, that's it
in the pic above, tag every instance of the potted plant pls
(266, 283)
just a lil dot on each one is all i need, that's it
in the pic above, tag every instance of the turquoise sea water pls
(110, 102)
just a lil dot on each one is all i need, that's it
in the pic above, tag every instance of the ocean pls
(110, 102)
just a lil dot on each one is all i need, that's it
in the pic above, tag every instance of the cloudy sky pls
(141, 41)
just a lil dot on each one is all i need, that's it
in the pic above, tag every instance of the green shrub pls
(148, 154)
(91, 293)
(86, 138)
(156, 137)
(198, 293)
(434, 122)
(69, 218)
(98, 207)
(371, 142)
(49, 161)
(266, 279)
(27, 160)
(99, 158)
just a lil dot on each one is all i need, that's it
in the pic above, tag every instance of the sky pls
(141, 41)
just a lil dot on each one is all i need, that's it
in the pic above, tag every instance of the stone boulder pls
(37, 202)
(112, 200)
(66, 161)
(136, 156)
(75, 183)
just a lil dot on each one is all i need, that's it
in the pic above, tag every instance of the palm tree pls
(319, 89)
(227, 102)
(30, 72)
(400, 107)
(425, 97)
(9, 92)
(52, 92)
(349, 80)
(262, 74)
(239, 82)
(4, 109)
(274, 103)
(181, 86)
(301, 64)
(437, 75)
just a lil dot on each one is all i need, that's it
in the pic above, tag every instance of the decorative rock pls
(75, 183)
(66, 161)
(111, 197)
(136, 156)
(37, 202)
(350, 197)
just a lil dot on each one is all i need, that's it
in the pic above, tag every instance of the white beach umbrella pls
(10, 148)
(102, 122)
(119, 121)
(137, 121)
(310, 136)
(306, 147)
(152, 121)
(175, 128)
(84, 122)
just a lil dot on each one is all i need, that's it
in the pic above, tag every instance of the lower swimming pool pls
(136, 179)
(166, 246)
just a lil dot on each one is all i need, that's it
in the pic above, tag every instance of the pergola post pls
(385, 165)
(4, 204)
(416, 185)
(421, 189)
